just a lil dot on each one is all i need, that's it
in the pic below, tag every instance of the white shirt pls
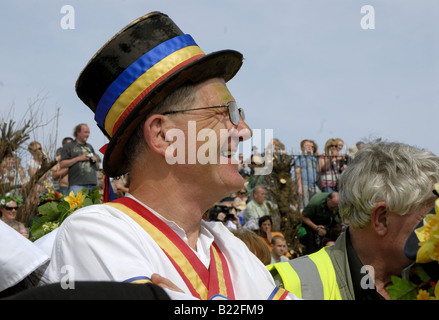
(19, 257)
(101, 243)
(281, 259)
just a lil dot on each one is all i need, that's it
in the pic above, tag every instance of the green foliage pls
(402, 289)
(407, 288)
(53, 213)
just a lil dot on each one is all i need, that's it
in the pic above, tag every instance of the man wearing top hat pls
(147, 83)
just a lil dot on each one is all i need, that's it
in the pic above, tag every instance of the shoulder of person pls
(100, 215)
(66, 149)
(89, 146)
(251, 203)
(69, 145)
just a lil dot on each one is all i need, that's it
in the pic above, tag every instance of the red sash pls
(203, 283)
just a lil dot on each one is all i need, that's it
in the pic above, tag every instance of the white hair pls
(400, 175)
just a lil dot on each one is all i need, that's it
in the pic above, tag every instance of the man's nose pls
(244, 130)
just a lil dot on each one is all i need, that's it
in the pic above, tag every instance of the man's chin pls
(233, 180)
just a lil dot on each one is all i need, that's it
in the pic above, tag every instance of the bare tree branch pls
(12, 141)
(30, 192)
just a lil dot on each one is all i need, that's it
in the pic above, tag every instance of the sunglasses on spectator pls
(333, 146)
(234, 111)
(11, 208)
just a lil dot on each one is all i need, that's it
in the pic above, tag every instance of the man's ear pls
(378, 218)
(154, 132)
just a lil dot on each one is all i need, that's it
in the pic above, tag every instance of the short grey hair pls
(401, 175)
(182, 98)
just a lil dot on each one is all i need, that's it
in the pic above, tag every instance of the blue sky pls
(310, 70)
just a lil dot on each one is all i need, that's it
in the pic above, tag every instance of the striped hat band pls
(141, 77)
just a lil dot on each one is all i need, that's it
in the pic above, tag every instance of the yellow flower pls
(423, 295)
(429, 249)
(424, 233)
(75, 201)
(428, 236)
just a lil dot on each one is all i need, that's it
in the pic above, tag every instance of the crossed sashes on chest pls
(203, 283)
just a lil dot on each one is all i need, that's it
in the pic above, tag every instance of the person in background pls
(19, 227)
(61, 175)
(359, 145)
(352, 151)
(321, 220)
(9, 204)
(384, 193)
(265, 233)
(12, 173)
(39, 157)
(279, 249)
(255, 179)
(331, 165)
(306, 172)
(225, 213)
(101, 183)
(240, 203)
(340, 145)
(123, 185)
(244, 168)
(257, 208)
(80, 159)
(254, 244)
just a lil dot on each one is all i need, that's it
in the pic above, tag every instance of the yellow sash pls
(203, 283)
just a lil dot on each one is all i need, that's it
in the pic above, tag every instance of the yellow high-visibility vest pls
(308, 277)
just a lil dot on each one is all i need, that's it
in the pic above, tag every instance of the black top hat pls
(142, 64)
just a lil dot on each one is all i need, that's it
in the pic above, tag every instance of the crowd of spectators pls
(157, 235)
(250, 208)
(76, 166)
(314, 174)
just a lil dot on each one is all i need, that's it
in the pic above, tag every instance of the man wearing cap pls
(154, 93)
(321, 221)
(384, 193)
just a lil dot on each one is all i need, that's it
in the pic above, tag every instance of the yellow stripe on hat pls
(145, 83)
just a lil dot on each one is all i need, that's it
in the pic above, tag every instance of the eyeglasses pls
(333, 146)
(234, 111)
(11, 208)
